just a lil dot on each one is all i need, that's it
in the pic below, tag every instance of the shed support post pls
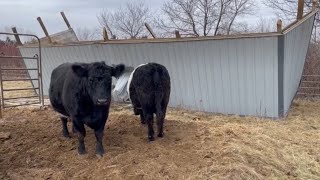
(279, 26)
(150, 30)
(300, 9)
(44, 29)
(281, 46)
(105, 34)
(177, 34)
(16, 36)
(65, 19)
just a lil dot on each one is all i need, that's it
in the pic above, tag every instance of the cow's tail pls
(158, 94)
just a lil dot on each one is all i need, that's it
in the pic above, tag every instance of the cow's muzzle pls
(102, 101)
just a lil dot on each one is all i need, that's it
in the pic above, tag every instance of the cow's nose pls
(102, 101)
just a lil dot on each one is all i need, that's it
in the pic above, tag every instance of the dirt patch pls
(195, 146)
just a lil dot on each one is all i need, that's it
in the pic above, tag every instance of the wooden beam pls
(300, 9)
(150, 30)
(16, 36)
(105, 34)
(65, 19)
(177, 34)
(44, 29)
(279, 26)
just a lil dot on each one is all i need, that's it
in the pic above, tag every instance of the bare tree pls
(287, 9)
(85, 34)
(127, 21)
(202, 17)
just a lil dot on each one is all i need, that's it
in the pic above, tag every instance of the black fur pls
(149, 93)
(82, 92)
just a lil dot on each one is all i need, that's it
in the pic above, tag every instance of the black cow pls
(149, 90)
(82, 92)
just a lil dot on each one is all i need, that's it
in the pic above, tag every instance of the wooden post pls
(177, 34)
(44, 29)
(314, 5)
(279, 26)
(14, 30)
(150, 30)
(105, 34)
(300, 9)
(65, 19)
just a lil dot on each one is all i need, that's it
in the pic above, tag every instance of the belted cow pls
(149, 90)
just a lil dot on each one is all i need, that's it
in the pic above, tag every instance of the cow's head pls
(98, 79)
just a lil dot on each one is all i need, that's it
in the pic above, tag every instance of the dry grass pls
(195, 146)
(17, 85)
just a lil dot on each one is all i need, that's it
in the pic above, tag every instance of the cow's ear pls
(79, 70)
(118, 70)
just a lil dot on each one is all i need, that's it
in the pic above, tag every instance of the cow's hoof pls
(150, 138)
(160, 135)
(82, 151)
(100, 151)
(66, 135)
(99, 156)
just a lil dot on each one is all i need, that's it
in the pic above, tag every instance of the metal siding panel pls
(250, 77)
(167, 52)
(241, 73)
(180, 53)
(207, 59)
(269, 78)
(158, 56)
(204, 76)
(224, 74)
(296, 44)
(234, 77)
(196, 86)
(225, 78)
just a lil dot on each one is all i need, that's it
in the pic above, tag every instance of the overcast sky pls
(81, 13)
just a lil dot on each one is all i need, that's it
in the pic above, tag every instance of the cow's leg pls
(65, 131)
(149, 118)
(160, 121)
(73, 129)
(136, 111)
(142, 118)
(79, 127)
(99, 137)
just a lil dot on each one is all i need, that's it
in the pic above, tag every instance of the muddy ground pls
(195, 146)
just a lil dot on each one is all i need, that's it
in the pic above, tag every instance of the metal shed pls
(254, 74)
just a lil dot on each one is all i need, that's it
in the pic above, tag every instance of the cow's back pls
(58, 77)
(148, 81)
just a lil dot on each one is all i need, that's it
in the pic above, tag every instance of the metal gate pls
(309, 86)
(38, 90)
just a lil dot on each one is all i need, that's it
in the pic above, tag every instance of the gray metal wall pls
(231, 76)
(296, 43)
(242, 75)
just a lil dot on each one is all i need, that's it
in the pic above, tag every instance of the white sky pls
(80, 13)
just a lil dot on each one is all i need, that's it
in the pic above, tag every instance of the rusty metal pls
(7, 57)
(39, 85)
(1, 86)
(20, 89)
(26, 104)
(25, 79)
(25, 97)
(19, 69)
(38, 58)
